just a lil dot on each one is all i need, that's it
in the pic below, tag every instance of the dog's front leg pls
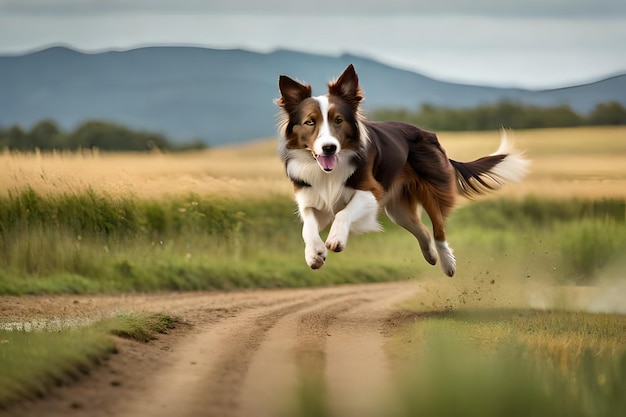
(358, 216)
(314, 249)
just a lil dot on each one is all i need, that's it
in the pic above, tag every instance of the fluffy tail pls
(491, 172)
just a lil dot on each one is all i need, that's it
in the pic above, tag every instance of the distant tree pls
(111, 136)
(151, 141)
(504, 114)
(47, 135)
(43, 135)
(559, 116)
(13, 138)
(4, 137)
(611, 113)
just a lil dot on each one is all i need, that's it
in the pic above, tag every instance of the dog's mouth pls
(327, 162)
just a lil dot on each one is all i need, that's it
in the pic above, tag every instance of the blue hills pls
(226, 96)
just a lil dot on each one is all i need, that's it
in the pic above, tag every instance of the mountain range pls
(226, 96)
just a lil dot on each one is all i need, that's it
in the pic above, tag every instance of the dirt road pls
(239, 353)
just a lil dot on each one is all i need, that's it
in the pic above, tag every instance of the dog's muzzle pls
(328, 159)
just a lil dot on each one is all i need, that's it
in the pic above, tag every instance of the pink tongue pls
(327, 163)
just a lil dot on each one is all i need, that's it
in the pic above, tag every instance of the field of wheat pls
(237, 171)
(582, 162)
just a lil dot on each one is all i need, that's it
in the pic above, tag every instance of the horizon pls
(509, 43)
(106, 50)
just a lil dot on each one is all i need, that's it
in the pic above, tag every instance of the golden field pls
(581, 162)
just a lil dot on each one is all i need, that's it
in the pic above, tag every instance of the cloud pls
(553, 8)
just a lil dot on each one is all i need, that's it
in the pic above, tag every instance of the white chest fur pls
(327, 191)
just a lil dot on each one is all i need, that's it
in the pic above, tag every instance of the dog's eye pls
(338, 120)
(310, 122)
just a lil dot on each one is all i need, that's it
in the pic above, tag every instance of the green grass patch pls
(563, 241)
(493, 362)
(93, 242)
(512, 362)
(35, 357)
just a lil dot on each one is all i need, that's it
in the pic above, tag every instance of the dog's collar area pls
(300, 183)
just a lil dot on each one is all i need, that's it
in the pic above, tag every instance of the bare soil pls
(234, 354)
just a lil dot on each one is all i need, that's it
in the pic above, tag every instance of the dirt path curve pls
(244, 353)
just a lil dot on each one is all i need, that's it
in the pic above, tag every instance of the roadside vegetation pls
(35, 356)
(90, 243)
(516, 362)
(472, 361)
(478, 349)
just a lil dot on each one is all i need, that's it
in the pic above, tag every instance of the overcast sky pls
(527, 43)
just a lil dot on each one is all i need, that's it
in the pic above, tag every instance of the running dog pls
(345, 169)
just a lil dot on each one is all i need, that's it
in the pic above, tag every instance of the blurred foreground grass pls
(512, 362)
(477, 359)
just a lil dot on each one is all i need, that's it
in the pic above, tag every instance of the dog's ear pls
(347, 87)
(292, 92)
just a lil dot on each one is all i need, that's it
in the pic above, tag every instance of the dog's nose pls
(329, 149)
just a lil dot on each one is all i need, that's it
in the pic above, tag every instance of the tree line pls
(47, 135)
(505, 114)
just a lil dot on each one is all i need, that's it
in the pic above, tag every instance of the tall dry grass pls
(580, 162)
(587, 162)
(253, 170)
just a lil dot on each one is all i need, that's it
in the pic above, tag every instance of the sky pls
(514, 43)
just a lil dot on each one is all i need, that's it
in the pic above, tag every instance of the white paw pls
(448, 261)
(315, 254)
(335, 245)
(338, 236)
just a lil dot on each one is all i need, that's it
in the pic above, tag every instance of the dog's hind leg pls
(407, 213)
(436, 207)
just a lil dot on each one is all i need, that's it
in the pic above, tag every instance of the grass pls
(93, 242)
(34, 360)
(253, 170)
(514, 362)
(495, 357)
(564, 241)
(583, 162)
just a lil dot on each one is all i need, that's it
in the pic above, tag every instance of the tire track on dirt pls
(321, 347)
(211, 364)
(358, 372)
(248, 354)
(293, 350)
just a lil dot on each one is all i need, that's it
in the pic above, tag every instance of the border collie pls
(345, 169)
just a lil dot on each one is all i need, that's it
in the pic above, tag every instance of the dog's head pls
(324, 125)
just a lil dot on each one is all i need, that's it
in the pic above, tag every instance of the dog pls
(345, 169)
